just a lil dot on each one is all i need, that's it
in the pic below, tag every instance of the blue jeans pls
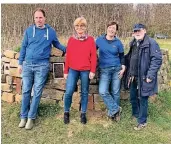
(71, 83)
(32, 74)
(109, 77)
(139, 104)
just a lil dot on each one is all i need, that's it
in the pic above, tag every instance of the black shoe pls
(66, 117)
(83, 118)
(113, 118)
(116, 116)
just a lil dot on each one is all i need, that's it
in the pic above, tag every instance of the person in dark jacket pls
(34, 65)
(142, 64)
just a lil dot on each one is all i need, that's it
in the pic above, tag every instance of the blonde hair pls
(80, 20)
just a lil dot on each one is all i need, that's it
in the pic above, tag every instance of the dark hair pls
(40, 10)
(113, 23)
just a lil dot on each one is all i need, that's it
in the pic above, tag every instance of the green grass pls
(17, 49)
(49, 127)
(165, 44)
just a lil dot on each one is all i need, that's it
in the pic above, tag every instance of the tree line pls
(15, 18)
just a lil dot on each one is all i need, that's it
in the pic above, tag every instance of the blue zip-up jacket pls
(111, 53)
(37, 44)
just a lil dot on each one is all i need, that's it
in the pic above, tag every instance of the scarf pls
(82, 38)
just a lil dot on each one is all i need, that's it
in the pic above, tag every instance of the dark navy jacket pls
(150, 60)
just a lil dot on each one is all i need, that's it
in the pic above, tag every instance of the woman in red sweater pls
(80, 63)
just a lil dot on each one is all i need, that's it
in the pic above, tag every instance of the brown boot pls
(118, 115)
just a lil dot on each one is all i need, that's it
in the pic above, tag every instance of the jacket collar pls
(145, 42)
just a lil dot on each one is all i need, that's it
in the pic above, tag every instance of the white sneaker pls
(29, 124)
(22, 123)
(140, 126)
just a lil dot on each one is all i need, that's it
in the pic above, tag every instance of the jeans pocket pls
(26, 70)
(44, 69)
(104, 73)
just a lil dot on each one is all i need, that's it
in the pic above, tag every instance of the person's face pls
(39, 19)
(111, 30)
(139, 34)
(80, 28)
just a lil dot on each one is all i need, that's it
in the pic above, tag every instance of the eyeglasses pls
(136, 31)
(81, 26)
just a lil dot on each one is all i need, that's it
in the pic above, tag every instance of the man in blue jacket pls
(34, 65)
(143, 62)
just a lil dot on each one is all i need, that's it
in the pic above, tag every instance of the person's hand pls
(63, 54)
(130, 80)
(20, 68)
(91, 75)
(65, 76)
(121, 72)
(148, 80)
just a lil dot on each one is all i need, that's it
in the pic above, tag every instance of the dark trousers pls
(139, 104)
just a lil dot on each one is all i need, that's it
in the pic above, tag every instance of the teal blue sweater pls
(37, 44)
(111, 53)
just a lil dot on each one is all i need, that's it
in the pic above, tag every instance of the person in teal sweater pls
(111, 64)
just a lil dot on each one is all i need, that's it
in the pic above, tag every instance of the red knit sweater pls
(81, 55)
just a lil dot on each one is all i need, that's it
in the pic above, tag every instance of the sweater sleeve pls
(57, 44)
(121, 54)
(66, 69)
(93, 57)
(23, 48)
(122, 58)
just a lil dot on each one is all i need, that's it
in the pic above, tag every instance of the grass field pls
(49, 127)
(166, 44)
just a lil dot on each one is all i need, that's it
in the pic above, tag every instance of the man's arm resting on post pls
(57, 44)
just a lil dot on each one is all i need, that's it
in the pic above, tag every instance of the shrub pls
(17, 49)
